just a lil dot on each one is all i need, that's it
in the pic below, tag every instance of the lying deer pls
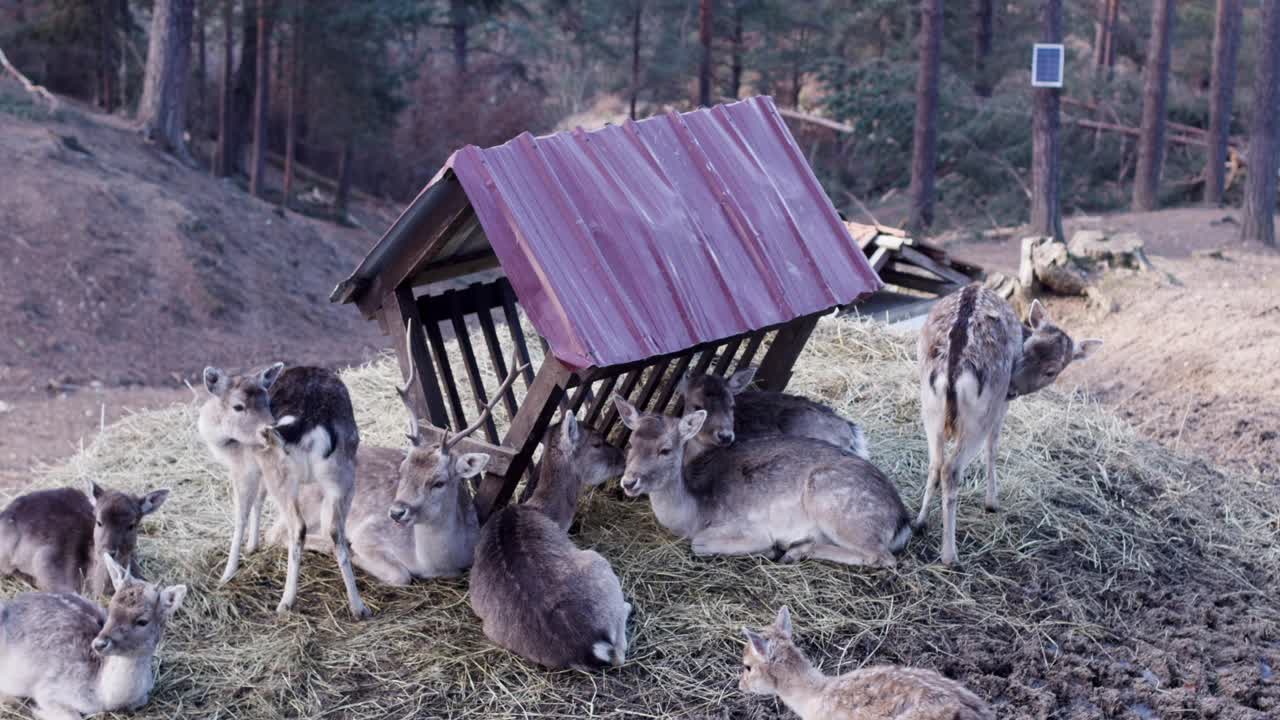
(72, 658)
(736, 413)
(537, 594)
(791, 497)
(974, 358)
(413, 515)
(57, 538)
(316, 440)
(772, 664)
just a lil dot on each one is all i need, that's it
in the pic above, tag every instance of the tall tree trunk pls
(797, 69)
(1155, 90)
(291, 121)
(635, 55)
(202, 82)
(925, 138)
(1100, 29)
(1222, 87)
(735, 67)
(706, 19)
(1113, 20)
(242, 93)
(162, 114)
(343, 193)
(458, 21)
(222, 160)
(1046, 193)
(983, 29)
(261, 101)
(105, 75)
(1260, 183)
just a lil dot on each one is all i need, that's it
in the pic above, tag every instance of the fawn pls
(791, 497)
(974, 358)
(316, 440)
(537, 594)
(72, 658)
(57, 538)
(772, 664)
(736, 413)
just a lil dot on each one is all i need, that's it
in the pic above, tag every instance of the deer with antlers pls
(413, 515)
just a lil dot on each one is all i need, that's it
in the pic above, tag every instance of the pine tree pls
(162, 114)
(1155, 91)
(1259, 223)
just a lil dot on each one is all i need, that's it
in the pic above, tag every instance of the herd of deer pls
(742, 472)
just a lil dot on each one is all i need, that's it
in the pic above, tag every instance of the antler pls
(516, 369)
(414, 435)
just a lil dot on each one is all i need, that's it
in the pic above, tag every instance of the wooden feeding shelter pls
(638, 252)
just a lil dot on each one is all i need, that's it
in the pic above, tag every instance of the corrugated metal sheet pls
(650, 237)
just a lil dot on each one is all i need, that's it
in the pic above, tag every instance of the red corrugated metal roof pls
(650, 237)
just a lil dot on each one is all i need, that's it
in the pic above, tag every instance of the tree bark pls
(925, 136)
(202, 94)
(108, 56)
(1155, 90)
(983, 29)
(1222, 87)
(291, 121)
(343, 193)
(1113, 18)
(245, 84)
(458, 21)
(1260, 183)
(222, 161)
(637, 11)
(261, 101)
(706, 17)
(162, 113)
(1046, 191)
(735, 67)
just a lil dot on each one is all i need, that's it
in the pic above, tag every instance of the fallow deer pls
(772, 664)
(537, 594)
(735, 413)
(72, 658)
(319, 444)
(975, 356)
(57, 538)
(791, 497)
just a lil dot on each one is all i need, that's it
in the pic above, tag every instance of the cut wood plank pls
(775, 368)
(937, 268)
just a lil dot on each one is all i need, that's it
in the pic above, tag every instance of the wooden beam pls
(425, 391)
(895, 276)
(446, 373)
(726, 356)
(490, 333)
(749, 354)
(508, 298)
(775, 368)
(462, 334)
(933, 266)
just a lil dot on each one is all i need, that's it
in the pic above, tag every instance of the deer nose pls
(725, 437)
(398, 512)
(101, 644)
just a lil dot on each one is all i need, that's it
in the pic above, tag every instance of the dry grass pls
(1093, 517)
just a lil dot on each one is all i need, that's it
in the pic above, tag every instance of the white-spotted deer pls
(537, 594)
(57, 538)
(975, 356)
(316, 441)
(735, 413)
(72, 658)
(772, 664)
(793, 498)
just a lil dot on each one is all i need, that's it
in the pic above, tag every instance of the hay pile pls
(1096, 524)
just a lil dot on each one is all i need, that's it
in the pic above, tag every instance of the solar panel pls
(1046, 65)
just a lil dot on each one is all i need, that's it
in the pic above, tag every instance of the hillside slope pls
(118, 264)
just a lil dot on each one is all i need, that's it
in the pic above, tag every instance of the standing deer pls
(413, 515)
(316, 440)
(58, 538)
(772, 664)
(736, 413)
(537, 594)
(974, 358)
(73, 659)
(791, 497)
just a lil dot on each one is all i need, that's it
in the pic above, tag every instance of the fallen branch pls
(31, 87)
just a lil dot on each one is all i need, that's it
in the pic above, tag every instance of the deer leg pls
(728, 541)
(993, 442)
(384, 566)
(246, 486)
(48, 707)
(937, 448)
(967, 445)
(255, 522)
(337, 477)
(297, 536)
(836, 553)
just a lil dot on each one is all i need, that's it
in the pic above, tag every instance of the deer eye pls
(99, 523)
(238, 407)
(437, 485)
(665, 451)
(142, 622)
(697, 407)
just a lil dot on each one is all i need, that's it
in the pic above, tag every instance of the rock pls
(1055, 269)
(1114, 251)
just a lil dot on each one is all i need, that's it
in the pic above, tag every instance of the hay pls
(1092, 516)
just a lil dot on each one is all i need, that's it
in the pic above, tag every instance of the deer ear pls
(268, 377)
(757, 642)
(95, 492)
(153, 500)
(471, 464)
(783, 622)
(690, 424)
(171, 599)
(683, 386)
(570, 433)
(120, 576)
(215, 380)
(626, 412)
(741, 380)
(1037, 316)
(1085, 348)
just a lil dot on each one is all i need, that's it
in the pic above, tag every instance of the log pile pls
(918, 273)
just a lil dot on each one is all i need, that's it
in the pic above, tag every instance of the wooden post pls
(425, 392)
(775, 368)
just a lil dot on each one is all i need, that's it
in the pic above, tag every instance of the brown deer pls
(735, 413)
(772, 664)
(315, 440)
(974, 358)
(537, 594)
(790, 497)
(58, 538)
